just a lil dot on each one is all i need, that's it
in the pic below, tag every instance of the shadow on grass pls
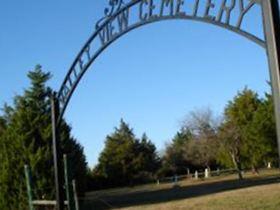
(106, 202)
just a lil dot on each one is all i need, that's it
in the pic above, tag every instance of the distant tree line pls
(244, 137)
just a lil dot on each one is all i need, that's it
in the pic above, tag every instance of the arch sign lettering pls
(122, 16)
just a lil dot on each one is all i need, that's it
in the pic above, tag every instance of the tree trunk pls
(255, 170)
(237, 165)
(239, 169)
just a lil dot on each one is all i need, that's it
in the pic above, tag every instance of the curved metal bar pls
(92, 37)
(130, 28)
(258, 1)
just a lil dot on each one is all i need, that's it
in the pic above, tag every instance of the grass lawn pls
(216, 193)
(265, 197)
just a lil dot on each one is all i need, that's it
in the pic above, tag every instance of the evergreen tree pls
(146, 160)
(235, 131)
(2, 126)
(116, 160)
(125, 159)
(27, 139)
(2, 161)
(263, 135)
(77, 160)
(174, 161)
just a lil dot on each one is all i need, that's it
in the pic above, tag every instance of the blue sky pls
(152, 77)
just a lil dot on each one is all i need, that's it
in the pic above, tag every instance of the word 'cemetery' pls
(123, 17)
(150, 10)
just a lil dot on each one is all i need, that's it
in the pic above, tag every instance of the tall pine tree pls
(263, 134)
(125, 160)
(27, 139)
(237, 139)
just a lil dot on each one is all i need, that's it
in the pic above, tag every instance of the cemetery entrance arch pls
(122, 16)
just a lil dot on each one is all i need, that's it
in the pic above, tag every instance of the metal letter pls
(107, 33)
(243, 11)
(70, 81)
(179, 5)
(227, 9)
(209, 5)
(195, 8)
(102, 35)
(75, 73)
(65, 92)
(87, 51)
(166, 3)
(151, 9)
(81, 63)
(123, 20)
(142, 16)
(111, 29)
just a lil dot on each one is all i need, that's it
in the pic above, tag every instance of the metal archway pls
(116, 23)
(119, 19)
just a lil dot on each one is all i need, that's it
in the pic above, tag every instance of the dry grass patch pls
(216, 193)
(254, 198)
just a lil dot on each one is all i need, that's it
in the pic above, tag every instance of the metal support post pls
(271, 22)
(57, 155)
(75, 194)
(29, 186)
(68, 184)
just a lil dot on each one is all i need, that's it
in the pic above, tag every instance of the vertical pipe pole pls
(271, 23)
(75, 194)
(29, 186)
(57, 157)
(68, 184)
